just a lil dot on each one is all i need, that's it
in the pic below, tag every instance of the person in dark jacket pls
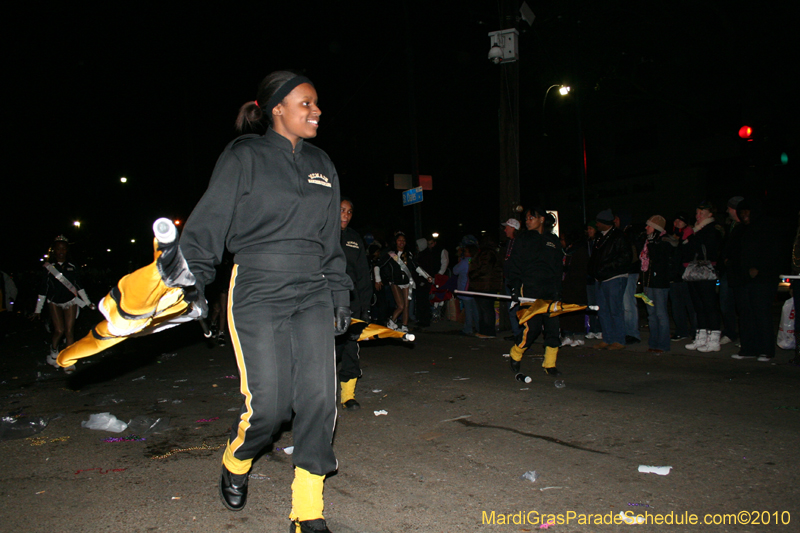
(511, 229)
(485, 275)
(683, 313)
(535, 271)
(360, 300)
(395, 268)
(654, 259)
(576, 263)
(760, 266)
(704, 244)
(727, 300)
(595, 331)
(609, 264)
(273, 201)
(796, 292)
(62, 291)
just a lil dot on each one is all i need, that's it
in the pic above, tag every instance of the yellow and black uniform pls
(535, 267)
(277, 210)
(360, 300)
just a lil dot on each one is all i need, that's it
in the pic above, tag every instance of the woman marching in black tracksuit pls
(273, 201)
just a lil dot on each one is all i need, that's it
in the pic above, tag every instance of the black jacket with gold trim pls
(265, 198)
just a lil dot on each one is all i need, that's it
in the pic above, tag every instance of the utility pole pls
(412, 114)
(508, 121)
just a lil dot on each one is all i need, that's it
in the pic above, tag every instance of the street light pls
(563, 90)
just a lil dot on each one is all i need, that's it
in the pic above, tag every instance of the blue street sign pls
(412, 196)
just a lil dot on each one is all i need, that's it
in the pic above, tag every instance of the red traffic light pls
(745, 132)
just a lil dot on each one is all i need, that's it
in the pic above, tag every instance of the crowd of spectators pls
(620, 266)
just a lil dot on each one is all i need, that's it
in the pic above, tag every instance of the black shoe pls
(515, 365)
(678, 337)
(309, 526)
(351, 405)
(553, 371)
(631, 340)
(233, 489)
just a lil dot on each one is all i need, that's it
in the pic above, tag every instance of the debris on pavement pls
(144, 426)
(381, 412)
(660, 470)
(104, 422)
(530, 475)
(21, 427)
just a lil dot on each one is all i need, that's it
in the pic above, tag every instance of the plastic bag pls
(786, 330)
(143, 426)
(22, 427)
(104, 422)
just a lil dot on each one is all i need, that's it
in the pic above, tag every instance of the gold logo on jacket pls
(352, 244)
(319, 179)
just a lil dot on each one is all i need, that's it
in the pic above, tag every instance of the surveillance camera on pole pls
(504, 47)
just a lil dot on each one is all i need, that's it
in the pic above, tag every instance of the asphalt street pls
(449, 454)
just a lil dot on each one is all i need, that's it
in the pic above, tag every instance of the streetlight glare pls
(435, 235)
(77, 224)
(123, 179)
(564, 90)
(133, 241)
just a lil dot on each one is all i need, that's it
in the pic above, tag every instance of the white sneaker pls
(69, 370)
(566, 341)
(724, 340)
(590, 335)
(404, 328)
(598, 336)
(764, 359)
(391, 325)
(737, 356)
(51, 358)
(577, 342)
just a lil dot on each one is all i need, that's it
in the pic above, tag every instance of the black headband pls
(285, 89)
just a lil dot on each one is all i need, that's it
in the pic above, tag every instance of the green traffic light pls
(784, 158)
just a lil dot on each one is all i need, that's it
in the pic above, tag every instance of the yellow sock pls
(517, 353)
(348, 390)
(550, 354)
(307, 501)
(234, 465)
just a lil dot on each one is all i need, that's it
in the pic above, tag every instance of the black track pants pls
(281, 327)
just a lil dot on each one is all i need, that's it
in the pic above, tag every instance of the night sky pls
(151, 93)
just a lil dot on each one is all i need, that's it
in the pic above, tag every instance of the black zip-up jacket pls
(536, 265)
(708, 237)
(612, 255)
(265, 201)
(358, 271)
(761, 250)
(657, 275)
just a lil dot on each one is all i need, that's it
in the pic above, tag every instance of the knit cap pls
(657, 222)
(605, 216)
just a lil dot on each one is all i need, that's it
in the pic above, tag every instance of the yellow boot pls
(549, 363)
(349, 395)
(516, 358)
(307, 503)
